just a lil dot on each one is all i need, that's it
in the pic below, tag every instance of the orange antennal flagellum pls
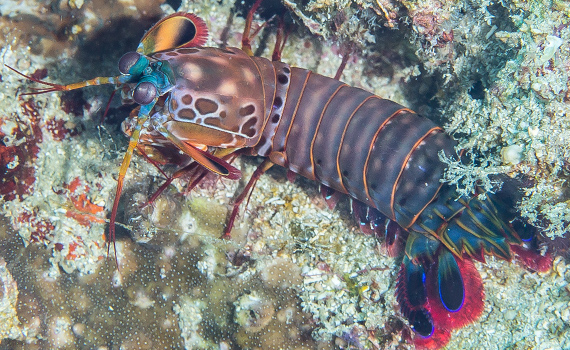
(58, 87)
(92, 82)
(133, 142)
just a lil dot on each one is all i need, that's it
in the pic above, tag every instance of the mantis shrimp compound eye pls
(132, 63)
(144, 93)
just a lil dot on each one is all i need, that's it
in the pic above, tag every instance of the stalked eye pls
(128, 61)
(144, 93)
(133, 63)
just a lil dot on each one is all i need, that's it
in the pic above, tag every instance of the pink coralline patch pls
(75, 249)
(427, 21)
(58, 129)
(531, 259)
(84, 211)
(40, 228)
(72, 253)
(17, 171)
(17, 159)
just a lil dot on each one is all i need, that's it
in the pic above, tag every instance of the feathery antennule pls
(58, 87)
(37, 91)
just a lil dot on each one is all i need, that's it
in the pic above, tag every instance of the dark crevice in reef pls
(99, 54)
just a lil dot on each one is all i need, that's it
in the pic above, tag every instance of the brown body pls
(373, 149)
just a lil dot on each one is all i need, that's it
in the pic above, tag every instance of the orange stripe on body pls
(436, 128)
(266, 118)
(372, 146)
(317, 130)
(293, 117)
(342, 141)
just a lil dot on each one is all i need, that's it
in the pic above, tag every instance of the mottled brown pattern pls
(205, 106)
(248, 128)
(247, 110)
(213, 121)
(186, 99)
(174, 104)
(237, 89)
(171, 54)
(186, 113)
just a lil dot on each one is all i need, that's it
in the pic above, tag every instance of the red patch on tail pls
(532, 259)
(437, 340)
(473, 302)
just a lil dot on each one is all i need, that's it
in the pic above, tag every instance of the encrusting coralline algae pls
(295, 275)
